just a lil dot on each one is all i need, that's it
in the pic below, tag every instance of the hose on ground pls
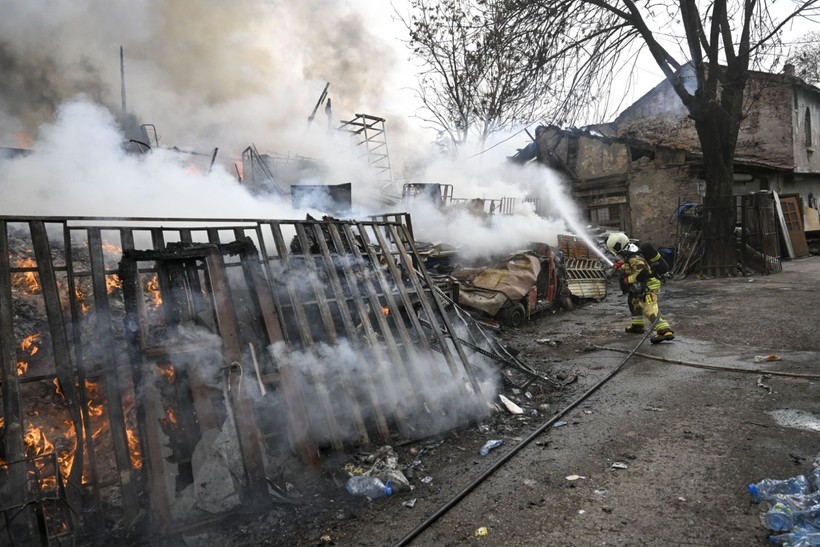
(506, 457)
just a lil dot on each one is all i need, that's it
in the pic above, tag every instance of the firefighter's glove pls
(623, 282)
(636, 289)
(618, 265)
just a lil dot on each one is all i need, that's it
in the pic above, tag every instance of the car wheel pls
(513, 315)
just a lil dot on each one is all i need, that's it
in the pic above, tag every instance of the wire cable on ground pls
(506, 457)
(712, 367)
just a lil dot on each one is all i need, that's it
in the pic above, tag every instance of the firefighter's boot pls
(635, 329)
(662, 335)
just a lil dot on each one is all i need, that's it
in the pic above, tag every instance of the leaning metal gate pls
(132, 347)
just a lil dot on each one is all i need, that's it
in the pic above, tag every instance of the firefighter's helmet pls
(617, 242)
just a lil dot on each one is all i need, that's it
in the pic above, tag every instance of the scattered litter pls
(581, 511)
(761, 384)
(541, 443)
(654, 408)
(548, 341)
(766, 358)
(574, 477)
(681, 499)
(599, 491)
(561, 423)
(427, 480)
(528, 395)
(619, 465)
(750, 281)
(530, 483)
(409, 503)
(587, 412)
(326, 539)
(481, 532)
(489, 445)
(511, 407)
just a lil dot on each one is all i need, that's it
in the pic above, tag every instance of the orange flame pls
(167, 371)
(36, 442)
(152, 286)
(170, 417)
(27, 281)
(91, 393)
(79, 296)
(57, 389)
(134, 447)
(112, 283)
(28, 346)
(110, 248)
(385, 311)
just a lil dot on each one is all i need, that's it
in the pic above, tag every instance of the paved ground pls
(689, 438)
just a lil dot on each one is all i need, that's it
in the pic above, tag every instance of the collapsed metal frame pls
(374, 292)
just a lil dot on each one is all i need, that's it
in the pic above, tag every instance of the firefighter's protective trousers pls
(644, 304)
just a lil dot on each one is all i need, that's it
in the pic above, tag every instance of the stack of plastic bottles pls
(793, 509)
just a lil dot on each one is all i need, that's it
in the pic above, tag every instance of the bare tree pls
(721, 39)
(806, 58)
(479, 72)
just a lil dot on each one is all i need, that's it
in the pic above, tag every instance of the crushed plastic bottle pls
(768, 488)
(814, 479)
(797, 539)
(372, 487)
(489, 445)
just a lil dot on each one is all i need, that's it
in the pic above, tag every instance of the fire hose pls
(506, 457)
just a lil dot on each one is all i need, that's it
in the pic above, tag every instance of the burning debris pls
(176, 381)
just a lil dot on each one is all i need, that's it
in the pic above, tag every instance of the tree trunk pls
(718, 138)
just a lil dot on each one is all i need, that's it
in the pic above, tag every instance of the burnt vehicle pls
(512, 289)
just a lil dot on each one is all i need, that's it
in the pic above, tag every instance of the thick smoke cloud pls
(207, 74)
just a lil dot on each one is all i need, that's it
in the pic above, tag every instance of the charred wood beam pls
(350, 329)
(255, 489)
(356, 269)
(298, 424)
(113, 383)
(330, 328)
(306, 337)
(148, 413)
(62, 356)
(13, 489)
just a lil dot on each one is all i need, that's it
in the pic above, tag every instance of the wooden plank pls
(147, 404)
(785, 229)
(116, 416)
(62, 354)
(350, 329)
(298, 424)
(98, 520)
(13, 490)
(330, 328)
(387, 385)
(794, 223)
(256, 486)
(307, 339)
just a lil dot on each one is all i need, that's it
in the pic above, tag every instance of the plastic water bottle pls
(797, 539)
(814, 480)
(767, 488)
(372, 487)
(489, 445)
(783, 518)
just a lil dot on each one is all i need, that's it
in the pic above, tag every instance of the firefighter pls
(641, 284)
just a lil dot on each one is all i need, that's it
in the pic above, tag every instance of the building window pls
(808, 127)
